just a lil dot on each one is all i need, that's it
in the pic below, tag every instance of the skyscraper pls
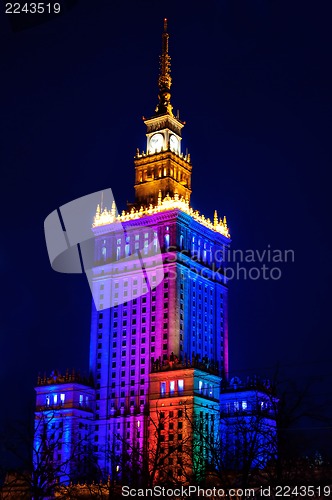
(159, 355)
(167, 347)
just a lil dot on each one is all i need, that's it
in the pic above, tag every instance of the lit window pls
(81, 399)
(172, 387)
(163, 389)
(62, 398)
(200, 386)
(47, 401)
(155, 241)
(118, 253)
(55, 399)
(180, 385)
(244, 405)
(166, 241)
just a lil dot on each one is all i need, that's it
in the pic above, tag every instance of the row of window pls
(59, 399)
(133, 245)
(55, 399)
(173, 387)
(205, 389)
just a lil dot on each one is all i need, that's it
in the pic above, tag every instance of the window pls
(172, 387)
(200, 386)
(55, 399)
(127, 247)
(180, 385)
(163, 389)
(62, 398)
(155, 242)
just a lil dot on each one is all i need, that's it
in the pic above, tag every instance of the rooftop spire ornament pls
(164, 81)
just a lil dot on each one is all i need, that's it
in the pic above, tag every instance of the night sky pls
(252, 80)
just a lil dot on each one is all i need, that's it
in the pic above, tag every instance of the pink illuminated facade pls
(162, 330)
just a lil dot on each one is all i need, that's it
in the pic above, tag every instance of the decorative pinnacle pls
(215, 218)
(164, 80)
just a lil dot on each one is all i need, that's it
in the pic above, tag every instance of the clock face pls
(174, 143)
(156, 142)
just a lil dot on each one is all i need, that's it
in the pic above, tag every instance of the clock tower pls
(163, 169)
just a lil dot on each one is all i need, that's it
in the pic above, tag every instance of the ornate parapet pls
(57, 378)
(105, 216)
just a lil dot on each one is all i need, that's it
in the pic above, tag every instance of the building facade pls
(159, 355)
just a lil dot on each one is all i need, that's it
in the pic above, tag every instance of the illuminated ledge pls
(105, 217)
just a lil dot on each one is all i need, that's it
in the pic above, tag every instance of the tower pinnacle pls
(164, 81)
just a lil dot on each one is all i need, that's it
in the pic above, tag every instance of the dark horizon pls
(253, 83)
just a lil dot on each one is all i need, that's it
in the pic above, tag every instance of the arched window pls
(199, 250)
(146, 243)
(204, 253)
(167, 241)
(104, 253)
(181, 242)
(127, 246)
(155, 242)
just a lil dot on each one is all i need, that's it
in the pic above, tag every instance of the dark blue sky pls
(253, 82)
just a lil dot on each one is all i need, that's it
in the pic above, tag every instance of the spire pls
(165, 81)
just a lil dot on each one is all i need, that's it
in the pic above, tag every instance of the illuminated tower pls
(157, 406)
(159, 355)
